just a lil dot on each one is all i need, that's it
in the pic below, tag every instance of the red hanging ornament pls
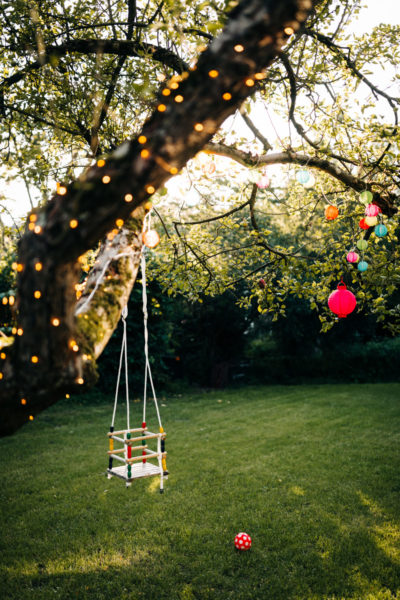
(363, 224)
(262, 284)
(341, 301)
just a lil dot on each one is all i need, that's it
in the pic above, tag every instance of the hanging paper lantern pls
(363, 224)
(366, 197)
(208, 168)
(302, 176)
(341, 301)
(372, 210)
(151, 238)
(362, 244)
(310, 183)
(331, 212)
(352, 257)
(371, 221)
(380, 230)
(362, 266)
(242, 541)
(263, 183)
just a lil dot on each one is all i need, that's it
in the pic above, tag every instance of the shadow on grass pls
(300, 551)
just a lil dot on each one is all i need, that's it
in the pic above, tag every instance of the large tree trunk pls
(46, 360)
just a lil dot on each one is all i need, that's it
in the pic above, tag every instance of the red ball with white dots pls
(242, 541)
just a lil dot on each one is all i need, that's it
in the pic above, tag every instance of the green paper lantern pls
(366, 197)
(362, 244)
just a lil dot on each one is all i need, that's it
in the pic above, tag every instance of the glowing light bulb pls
(55, 322)
(38, 266)
(161, 108)
(20, 331)
(119, 222)
(31, 417)
(227, 96)
(198, 127)
(128, 197)
(142, 139)
(73, 223)
(173, 170)
(166, 92)
(34, 359)
(23, 401)
(249, 82)
(101, 162)
(38, 229)
(238, 48)
(150, 189)
(37, 294)
(11, 300)
(178, 98)
(62, 190)
(213, 73)
(289, 30)
(106, 179)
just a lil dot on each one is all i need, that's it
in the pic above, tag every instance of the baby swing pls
(138, 458)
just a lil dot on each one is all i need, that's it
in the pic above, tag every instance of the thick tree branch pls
(385, 200)
(71, 223)
(108, 287)
(124, 48)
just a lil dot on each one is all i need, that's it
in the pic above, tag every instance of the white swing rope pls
(124, 351)
(124, 347)
(146, 347)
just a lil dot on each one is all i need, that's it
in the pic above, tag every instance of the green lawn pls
(310, 472)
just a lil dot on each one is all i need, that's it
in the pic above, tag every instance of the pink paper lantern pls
(341, 301)
(263, 182)
(372, 210)
(352, 257)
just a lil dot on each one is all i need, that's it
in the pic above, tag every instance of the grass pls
(310, 472)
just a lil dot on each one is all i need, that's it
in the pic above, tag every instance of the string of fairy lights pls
(151, 238)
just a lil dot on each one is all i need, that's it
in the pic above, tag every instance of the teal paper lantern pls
(362, 244)
(302, 176)
(362, 266)
(380, 230)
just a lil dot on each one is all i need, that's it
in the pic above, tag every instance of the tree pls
(82, 93)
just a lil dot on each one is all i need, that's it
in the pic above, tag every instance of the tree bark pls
(42, 364)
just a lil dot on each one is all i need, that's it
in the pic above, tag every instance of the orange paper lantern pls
(331, 212)
(151, 238)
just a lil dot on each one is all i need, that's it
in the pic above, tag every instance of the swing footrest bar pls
(137, 471)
